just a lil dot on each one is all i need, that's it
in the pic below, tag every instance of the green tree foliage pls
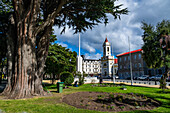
(29, 31)
(60, 59)
(5, 11)
(81, 77)
(67, 78)
(153, 53)
(81, 15)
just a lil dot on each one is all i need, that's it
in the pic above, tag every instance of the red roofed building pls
(139, 67)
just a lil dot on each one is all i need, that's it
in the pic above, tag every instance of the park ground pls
(54, 104)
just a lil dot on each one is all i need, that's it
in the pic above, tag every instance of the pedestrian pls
(101, 79)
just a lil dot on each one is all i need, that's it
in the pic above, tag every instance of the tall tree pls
(30, 27)
(154, 55)
(60, 59)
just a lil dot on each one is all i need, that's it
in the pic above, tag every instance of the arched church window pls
(105, 73)
(107, 48)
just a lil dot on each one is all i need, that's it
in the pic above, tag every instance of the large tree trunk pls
(28, 43)
(23, 78)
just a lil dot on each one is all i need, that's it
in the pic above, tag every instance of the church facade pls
(107, 66)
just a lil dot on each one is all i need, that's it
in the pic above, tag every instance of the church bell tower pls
(106, 48)
(107, 60)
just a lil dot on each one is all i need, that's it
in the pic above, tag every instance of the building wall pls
(96, 67)
(107, 66)
(139, 67)
(92, 66)
(124, 65)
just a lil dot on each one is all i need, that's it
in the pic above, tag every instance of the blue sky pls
(117, 31)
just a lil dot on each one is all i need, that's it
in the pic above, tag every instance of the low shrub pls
(67, 78)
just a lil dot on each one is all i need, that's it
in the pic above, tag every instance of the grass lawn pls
(53, 104)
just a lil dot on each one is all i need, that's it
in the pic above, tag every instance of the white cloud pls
(93, 56)
(89, 48)
(63, 45)
(117, 31)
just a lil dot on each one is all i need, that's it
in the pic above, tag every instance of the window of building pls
(128, 57)
(140, 65)
(135, 57)
(135, 65)
(115, 70)
(119, 59)
(139, 56)
(104, 64)
(107, 48)
(120, 66)
(125, 58)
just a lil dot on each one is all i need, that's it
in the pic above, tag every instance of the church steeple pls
(106, 39)
(106, 48)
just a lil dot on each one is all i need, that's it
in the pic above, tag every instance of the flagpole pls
(79, 43)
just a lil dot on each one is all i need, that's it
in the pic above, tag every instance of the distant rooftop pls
(126, 53)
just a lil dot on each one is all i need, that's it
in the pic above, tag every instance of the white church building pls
(107, 66)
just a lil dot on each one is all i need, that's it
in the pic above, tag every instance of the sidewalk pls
(135, 84)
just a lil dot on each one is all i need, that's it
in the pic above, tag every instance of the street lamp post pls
(130, 64)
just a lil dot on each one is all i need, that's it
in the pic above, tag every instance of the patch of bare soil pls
(115, 102)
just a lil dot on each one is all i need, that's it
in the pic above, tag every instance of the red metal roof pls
(115, 61)
(128, 52)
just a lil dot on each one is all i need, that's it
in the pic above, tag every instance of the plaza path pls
(135, 84)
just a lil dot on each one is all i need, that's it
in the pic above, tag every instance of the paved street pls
(137, 82)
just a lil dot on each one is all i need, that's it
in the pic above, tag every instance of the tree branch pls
(50, 18)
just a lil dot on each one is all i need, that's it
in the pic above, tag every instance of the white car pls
(143, 77)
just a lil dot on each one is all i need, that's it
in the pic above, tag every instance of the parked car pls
(157, 77)
(168, 79)
(143, 77)
(117, 77)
